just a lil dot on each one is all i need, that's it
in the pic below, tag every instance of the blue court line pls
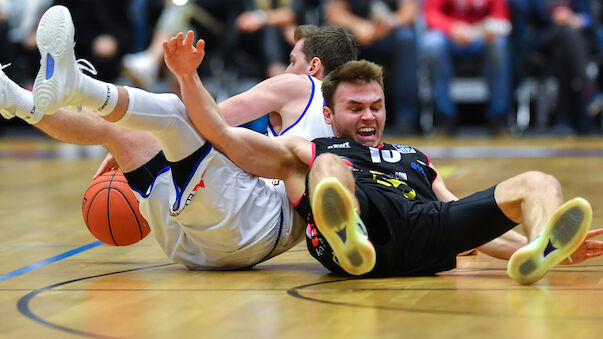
(48, 261)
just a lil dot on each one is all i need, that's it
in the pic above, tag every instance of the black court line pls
(297, 292)
(23, 303)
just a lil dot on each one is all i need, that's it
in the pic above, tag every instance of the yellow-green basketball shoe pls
(336, 219)
(563, 234)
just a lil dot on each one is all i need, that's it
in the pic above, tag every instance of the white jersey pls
(311, 123)
(223, 218)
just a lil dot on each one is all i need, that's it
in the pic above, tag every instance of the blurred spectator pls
(18, 23)
(143, 15)
(559, 36)
(268, 27)
(211, 19)
(309, 12)
(386, 34)
(463, 29)
(596, 105)
(103, 33)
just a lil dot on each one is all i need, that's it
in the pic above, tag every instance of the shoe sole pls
(335, 218)
(563, 234)
(54, 38)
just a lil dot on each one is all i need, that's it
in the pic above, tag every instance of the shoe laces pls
(85, 65)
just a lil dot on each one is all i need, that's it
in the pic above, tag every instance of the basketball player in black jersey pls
(383, 210)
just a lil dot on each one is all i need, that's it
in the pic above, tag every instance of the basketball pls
(111, 212)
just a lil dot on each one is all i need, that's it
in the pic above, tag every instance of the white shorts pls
(224, 218)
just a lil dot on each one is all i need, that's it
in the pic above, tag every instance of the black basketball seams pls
(115, 209)
(131, 209)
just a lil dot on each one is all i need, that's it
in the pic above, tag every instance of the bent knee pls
(537, 180)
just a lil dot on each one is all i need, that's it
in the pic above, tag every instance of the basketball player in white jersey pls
(234, 220)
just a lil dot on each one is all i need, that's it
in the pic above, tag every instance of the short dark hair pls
(331, 44)
(356, 72)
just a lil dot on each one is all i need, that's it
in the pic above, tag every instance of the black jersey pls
(389, 179)
(413, 233)
(397, 166)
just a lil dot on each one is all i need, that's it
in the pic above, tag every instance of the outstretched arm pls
(588, 249)
(253, 152)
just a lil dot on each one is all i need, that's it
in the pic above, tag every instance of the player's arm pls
(253, 152)
(270, 95)
(504, 246)
(440, 189)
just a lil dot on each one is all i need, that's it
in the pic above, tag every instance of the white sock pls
(165, 116)
(97, 95)
(20, 102)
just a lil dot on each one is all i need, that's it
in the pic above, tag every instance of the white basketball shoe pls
(58, 80)
(337, 220)
(563, 234)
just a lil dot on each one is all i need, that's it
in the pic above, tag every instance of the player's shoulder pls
(287, 84)
(290, 78)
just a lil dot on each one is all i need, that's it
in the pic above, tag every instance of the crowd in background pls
(424, 45)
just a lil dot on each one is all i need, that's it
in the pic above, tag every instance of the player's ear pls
(315, 67)
(328, 114)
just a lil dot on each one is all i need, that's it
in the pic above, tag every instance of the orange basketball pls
(111, 212)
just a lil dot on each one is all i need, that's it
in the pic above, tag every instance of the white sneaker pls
(141, 69)
(5, 111)
(563, 234)
(336, 219)
(58, 80)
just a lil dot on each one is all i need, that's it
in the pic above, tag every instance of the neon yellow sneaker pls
(563, 234)
(336, 219)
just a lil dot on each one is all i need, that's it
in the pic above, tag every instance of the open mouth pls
(366, 131)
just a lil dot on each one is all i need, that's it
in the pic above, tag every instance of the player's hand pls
(181, 56)
(108, 164)
(588, 249)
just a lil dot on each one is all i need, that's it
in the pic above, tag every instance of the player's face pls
(359, 112)
(297, 60)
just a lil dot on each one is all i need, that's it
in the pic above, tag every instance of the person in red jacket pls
(468, 29)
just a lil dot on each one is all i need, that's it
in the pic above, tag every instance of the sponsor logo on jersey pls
(404, 149)
(418, 168)
(401, 176)
(336, 146)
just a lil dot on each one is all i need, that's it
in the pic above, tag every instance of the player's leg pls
(334, 205)
(16, 101)
(554, 230)
(131, 149)
(60, 82)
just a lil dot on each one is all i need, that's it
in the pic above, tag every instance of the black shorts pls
(414, 237)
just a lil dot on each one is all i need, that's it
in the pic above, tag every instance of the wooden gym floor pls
(56, 281)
